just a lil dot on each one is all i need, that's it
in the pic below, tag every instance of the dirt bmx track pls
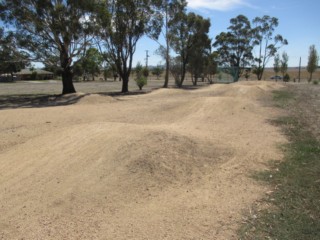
(171, 164)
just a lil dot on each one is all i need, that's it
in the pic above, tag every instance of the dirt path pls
(172, 164)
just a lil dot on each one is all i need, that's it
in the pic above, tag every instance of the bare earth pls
(171, 164)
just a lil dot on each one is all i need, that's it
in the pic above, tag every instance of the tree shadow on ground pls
(45, 100)
(37, 101)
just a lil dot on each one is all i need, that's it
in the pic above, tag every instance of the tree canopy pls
(122, 24)
(63, 33)
(234, 47)
(313, 60)
(276, 65)
(12, 59)
(284, 64)
(50, 29)
(90, 63)
(267, 43)
(189, 34)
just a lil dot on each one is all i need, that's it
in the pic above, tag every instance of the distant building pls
(36, 74)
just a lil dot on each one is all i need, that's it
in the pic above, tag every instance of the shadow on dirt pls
(36, 101)
(45, 100)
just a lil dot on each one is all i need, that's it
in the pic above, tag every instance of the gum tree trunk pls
(67, 83)
(125, 82)
(67, 75)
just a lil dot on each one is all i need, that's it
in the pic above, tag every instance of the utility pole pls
(299, 69)
(147, 57)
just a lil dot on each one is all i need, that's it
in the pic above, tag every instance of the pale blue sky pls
(298, 23)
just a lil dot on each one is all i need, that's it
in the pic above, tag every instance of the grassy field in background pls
(52, 87)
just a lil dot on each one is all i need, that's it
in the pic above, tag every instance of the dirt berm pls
(172, 164)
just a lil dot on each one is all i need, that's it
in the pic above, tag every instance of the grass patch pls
(293, 210)
(282, 98)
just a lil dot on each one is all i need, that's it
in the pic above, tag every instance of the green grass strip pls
(293, 210)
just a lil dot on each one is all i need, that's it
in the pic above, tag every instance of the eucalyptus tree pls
(12, 59)
(235, 46)
(90, 63)
(51, 29)
(210, 66)
(276, 65)
(122, 24)
(313, 60)
(168, 10)
(284, 64)
(267, 43)
(188, 30)
(200, 50)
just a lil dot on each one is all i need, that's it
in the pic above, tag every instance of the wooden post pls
(299, 69)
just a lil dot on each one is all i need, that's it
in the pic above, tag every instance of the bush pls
(286, 78)
(145, 72)
(141, 82)
(157, 71)
(315, 82)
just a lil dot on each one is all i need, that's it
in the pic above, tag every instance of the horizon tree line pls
(73, 35)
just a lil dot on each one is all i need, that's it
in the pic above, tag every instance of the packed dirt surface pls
(171, 164)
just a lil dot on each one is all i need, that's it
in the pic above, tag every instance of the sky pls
(298, 23)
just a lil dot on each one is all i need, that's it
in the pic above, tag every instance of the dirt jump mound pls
(172, 164)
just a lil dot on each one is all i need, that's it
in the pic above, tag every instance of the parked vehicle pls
(276, 77)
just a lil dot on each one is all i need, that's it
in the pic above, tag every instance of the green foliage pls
(200, 50)
(145, 72)
(235, 46)
(276, 64)
(11, 58)
(210, 66)
(92, 61)
(188, 34)
(157, 71)
(138, 69)
(51, 30)
(313, 60)
(315, 82)
(167, 10)
(141, 81)
(122, 24)
(284, 64)
(286, 78)
(175, 69)
(267, 43)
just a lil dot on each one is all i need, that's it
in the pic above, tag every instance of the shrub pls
(286, 78)
(145, 72)
(315, 82)
(157, 71)
(141, 81)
